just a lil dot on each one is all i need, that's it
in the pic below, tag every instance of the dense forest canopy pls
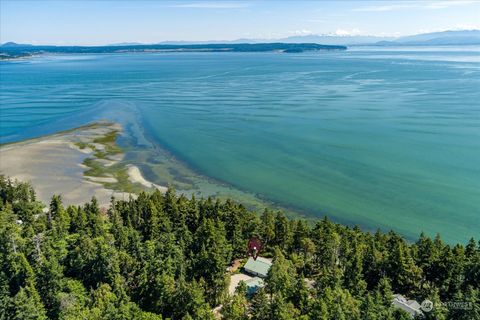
(164, 256)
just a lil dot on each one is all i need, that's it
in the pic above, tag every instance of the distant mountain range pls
(323, 39)
(465, 37)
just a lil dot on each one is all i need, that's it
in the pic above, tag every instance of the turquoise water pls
(381, 138)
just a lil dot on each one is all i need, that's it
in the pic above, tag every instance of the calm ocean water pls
(382, 138)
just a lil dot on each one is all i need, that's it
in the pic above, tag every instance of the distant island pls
(11, 50)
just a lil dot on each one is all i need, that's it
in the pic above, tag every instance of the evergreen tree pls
(267, 227)
(319, 310)
(341, 304)
(236, 308)
(190, 301)
(281, 309)
(300, 296)
(212, 256)
(353, 275)
(281, 276)
(4, 298)
(283, 233)
(27, 305)
(58, 217)
(260, 306)
(402, 270)
(49, 278)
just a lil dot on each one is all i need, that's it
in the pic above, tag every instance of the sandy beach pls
(56, 163)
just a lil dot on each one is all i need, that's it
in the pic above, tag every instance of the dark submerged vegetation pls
(164, 256)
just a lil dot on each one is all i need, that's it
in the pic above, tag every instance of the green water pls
(381, 138)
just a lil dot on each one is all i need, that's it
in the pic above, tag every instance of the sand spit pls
(102, 179)
(54, 164)
(136, 176)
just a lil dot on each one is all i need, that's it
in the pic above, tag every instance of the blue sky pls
(102, 22)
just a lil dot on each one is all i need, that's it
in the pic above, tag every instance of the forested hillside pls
(165, 256)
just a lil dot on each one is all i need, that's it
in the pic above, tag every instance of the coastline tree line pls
(164, 256)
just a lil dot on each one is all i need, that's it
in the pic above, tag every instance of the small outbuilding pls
(253, 285)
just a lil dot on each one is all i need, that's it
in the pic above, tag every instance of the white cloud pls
(429, 5)
(314, 20)
(211, 5)
(466, 27)
(457, 27)
(343, 32)
(447, 4)
(383, 8)
(302, 32)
